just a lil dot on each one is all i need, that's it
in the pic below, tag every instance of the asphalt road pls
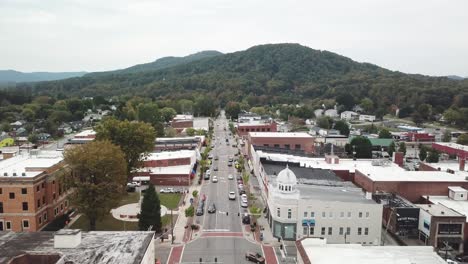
(222, 232)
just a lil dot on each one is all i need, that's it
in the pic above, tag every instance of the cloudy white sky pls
(414, 36)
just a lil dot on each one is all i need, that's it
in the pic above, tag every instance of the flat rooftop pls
(376, 170)
(438, 210)
(201, 123)
(194, 139)
(453, 145)
(458, 206)
(164, 155)
(449, 165)
(86, 133)
(280, 134)
(359, 254)
(29, 163)
(95, 247)
(348, 194)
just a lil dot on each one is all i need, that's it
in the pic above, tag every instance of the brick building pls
(179, 143)
(31, 195)
(292, 143)
(170, 167)
(181, 122)
(243, 129)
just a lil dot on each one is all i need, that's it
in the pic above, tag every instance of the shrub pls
(195, 193)
(190, 211)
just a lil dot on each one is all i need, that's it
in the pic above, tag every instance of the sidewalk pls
(179, 227)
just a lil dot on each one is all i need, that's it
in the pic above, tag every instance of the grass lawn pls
(7, 142)
(109, 223)
(170, 200)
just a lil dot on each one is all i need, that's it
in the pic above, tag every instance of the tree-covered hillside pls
(275, 74)
(162, 63)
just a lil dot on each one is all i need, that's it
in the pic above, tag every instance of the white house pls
(368, 118)
(331, 113)
(312, 207)
(318, 112)
(349, 115)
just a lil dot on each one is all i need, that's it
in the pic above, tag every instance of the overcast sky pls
(413, 36)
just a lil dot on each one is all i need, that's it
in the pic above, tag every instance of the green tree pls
(343, 127)
(422, 152)
(402, 147)
(168, 113)
(391, 148)
(362, 146)
(170, 132)
(150, 214)
(367, 104)
(149, 113)
(136, 139)
(384, 133)
(463, 139)
(33, 138)
(259, 110)
(447, 136)
(97, 177)
(433, 156)
(324, 122)
(425, 111)
(232, 109)
(190, 131)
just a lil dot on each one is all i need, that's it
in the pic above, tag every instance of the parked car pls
(246, 219)
(212, 208)
(215, 179)
(167, 190)
(240, 181)
(244, 197)
(254, 257)
(199, 211)
(239, 177)
(241, 191)
(229, 163)
(232, 195)
(210, 156)
(230, 177)
(240, 186)
(206, 177)
(244, 204)
(133, 184)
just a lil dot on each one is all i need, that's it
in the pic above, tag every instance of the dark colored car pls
(212, 208)
(246, 219)
(215, 168)
(239, 177)
(230, 164)
(254, 257)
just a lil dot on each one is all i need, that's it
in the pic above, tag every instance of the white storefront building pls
(320, 208)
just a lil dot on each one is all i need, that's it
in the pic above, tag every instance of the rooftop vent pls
(442, 212)
(67, 238)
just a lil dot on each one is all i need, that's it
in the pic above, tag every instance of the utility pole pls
(172, 229)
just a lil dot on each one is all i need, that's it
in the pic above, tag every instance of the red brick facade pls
(305, 144)
(37, 201)
(412, 191)
(244, 129)
(166, 162)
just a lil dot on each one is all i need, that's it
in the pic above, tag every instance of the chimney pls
(462, 164)
(398, 158)
(67, 238)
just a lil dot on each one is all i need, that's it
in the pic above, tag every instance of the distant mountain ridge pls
(456, 77)
(162, 63)
(12, 76)
(269, 74)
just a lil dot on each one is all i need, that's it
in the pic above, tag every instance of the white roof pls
(86, 133)
(458, 206)
(201, 123)
(358, 254)
(280, 134)
(183, 117)
(349, 112)
(23, 162)
(172, 155)
(389, 172)
(453, 145)
(438, 209)
(457, 189)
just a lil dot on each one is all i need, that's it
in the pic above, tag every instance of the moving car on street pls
(230, 177)
(215, 179)
(212, 208)
(254, 257)
(232, 195)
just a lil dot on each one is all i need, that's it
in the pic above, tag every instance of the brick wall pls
(305, 144)
(166, 162)
(170, 180)
(244, 129)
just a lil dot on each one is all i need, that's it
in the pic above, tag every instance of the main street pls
(222, 235)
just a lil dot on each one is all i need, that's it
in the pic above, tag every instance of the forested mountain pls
(11, 76)
(162, 63)
(275, 74)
